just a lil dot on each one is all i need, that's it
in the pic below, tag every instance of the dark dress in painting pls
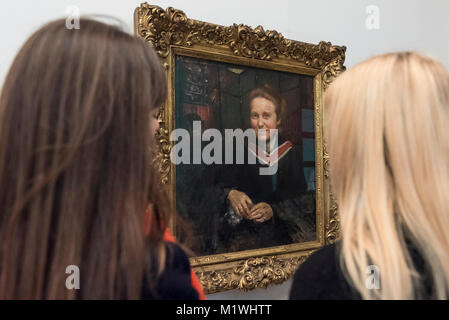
(285, 191)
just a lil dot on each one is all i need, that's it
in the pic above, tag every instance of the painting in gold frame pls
(196, 52)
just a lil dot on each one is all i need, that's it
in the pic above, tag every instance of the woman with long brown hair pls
(389, 150)
(75, 170)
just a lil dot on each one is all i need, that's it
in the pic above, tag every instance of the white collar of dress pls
(274, 156)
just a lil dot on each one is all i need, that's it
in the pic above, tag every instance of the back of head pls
(389, 151)
(75, 175)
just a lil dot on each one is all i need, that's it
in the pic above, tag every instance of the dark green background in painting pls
(216, 94)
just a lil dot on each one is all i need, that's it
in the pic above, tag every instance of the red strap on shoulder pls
(168, 236)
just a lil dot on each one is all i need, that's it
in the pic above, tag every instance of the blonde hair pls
(389, 149)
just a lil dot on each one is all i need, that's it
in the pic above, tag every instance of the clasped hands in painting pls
(245, 208)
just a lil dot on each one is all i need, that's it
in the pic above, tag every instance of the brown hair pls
(268, 92)
(75, 174)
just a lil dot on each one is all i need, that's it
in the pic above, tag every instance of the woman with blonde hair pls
(387, 121)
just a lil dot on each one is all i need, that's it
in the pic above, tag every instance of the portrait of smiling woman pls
(234, 207)
(264, 210)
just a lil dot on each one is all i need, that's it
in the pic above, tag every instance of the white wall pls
(404, 25)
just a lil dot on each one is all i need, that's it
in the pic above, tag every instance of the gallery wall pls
(365, 27)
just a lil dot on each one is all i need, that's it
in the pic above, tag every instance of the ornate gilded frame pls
(170, 32)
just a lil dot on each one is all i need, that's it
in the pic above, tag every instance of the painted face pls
(263, 116)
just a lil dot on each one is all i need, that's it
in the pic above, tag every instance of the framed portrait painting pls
(241, 145)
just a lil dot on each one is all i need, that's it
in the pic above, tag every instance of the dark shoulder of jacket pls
(424, 284)
(175, 282)
(320, 278)
(296, 167)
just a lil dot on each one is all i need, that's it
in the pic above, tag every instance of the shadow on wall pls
(277, 292)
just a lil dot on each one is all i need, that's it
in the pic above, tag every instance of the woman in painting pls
(264, 210)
